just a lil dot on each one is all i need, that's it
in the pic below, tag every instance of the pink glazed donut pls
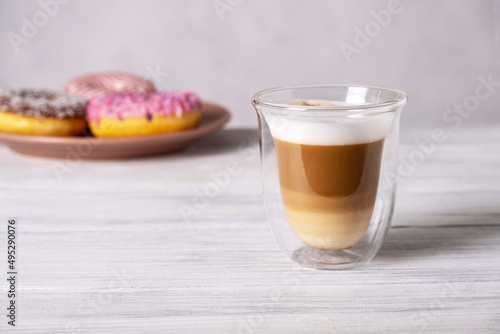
(140, 114)
(100, 84)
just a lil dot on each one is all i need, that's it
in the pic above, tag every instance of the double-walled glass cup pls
(329, 167)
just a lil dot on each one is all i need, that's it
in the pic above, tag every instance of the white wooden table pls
(132, 247)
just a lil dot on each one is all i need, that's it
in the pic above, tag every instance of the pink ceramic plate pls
(213, 118)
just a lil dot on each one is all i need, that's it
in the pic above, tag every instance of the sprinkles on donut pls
(41, 112)
(137, 114)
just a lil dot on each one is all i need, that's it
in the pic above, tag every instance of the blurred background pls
(444, 54)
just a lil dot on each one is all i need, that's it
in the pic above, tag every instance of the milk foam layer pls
(329, 130)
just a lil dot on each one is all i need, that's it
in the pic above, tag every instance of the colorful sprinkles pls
(124, 105)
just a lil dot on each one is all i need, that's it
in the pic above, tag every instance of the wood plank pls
(107, 248)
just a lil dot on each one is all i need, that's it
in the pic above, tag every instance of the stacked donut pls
(99, 84)
(111, 104)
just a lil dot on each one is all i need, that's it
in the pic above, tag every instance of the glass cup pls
(329, 168)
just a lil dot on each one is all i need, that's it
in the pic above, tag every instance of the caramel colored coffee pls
(329, 191)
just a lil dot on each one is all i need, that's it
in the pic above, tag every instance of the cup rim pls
(401, 99)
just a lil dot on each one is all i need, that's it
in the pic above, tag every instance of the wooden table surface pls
(135, 247)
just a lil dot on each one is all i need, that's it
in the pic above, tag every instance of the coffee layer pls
(329, 191)
(329, 230)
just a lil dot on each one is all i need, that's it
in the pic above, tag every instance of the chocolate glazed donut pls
(41, 112)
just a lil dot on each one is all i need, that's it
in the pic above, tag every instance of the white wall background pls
(434, 50)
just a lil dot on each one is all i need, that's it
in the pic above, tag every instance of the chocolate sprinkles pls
(42, 103)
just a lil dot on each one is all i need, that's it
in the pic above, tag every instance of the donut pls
(99, 84)
(41, 112)
(139, 114)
